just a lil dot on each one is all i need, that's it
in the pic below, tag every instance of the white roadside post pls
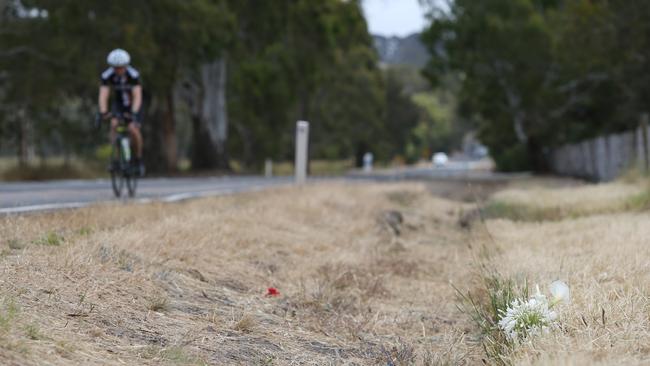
(268, 168)
(367, 162)
(302, 138)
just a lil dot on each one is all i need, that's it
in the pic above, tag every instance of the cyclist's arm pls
(137, 99)
(104, 92)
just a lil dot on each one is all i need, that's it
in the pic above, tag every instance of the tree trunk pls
(25, 134)
(203, 154)
(210, 118)
(22, 143)
(168, 130)
(360, 151)
(247, 143)
(536, 156)
(159, 134)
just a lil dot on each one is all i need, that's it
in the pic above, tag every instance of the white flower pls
(560, 292)
(527, 318)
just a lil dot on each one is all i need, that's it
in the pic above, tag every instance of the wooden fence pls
(604, 158)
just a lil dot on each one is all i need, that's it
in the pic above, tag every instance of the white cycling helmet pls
(118, 58)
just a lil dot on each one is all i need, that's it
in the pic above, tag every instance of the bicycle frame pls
(122, 144)
(121, 161)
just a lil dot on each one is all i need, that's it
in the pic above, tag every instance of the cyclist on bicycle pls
(127, 99)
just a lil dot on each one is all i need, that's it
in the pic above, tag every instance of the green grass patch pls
(8, 312)
(639, 202)
(4, 253)
(52, 169)
(485, 305)
(526, 213)
(178, 355)
(519, 212)
(634, 175)
(85, 231)
(52, 239)
(174, 355)
(316, 167)
(32, 332)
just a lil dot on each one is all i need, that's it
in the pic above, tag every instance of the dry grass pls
(605, 258)
(186, 284)
(582, 198)
(363, 271)
(557, 203)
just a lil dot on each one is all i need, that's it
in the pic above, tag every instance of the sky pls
(394, 17)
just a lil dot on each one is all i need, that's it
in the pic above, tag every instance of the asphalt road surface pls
(24, 197)
(21, 197)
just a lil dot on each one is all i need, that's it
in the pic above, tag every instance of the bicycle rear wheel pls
(117, 170)
(117, 181)
(131, 182)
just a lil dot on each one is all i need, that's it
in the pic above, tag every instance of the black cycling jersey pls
(122, 87)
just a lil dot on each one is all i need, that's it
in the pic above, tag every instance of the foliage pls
(286, 60)
(421, 120)
(487, 305)
(304, 60)
(539, 73)
(438, 129)
(66, 47)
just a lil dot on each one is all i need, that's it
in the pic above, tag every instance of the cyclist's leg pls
(136, 138)
(113, 133)
(115, 112)
(136, 135)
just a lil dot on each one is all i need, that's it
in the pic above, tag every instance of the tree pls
(235, 75)
(204, 92)
(303, 60)
(537, 74)
(348, 106)
(165, 37)
(402, 116)
(502, 50)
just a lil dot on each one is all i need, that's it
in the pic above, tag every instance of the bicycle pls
(122, 171)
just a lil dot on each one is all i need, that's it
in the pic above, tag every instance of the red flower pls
(272, 291)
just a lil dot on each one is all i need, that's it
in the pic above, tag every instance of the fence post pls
(644, 135)
(302, 138)
(593, 147)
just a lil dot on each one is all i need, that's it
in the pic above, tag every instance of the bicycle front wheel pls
(117, 181)
(116, 169)
(131, 183)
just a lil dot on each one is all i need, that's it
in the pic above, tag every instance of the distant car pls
(439, 159)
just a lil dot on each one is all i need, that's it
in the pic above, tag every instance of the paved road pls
(459, 170)
(40, 196)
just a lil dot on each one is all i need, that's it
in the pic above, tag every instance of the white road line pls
(220, 192)
(177, 197)
(45, 207)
